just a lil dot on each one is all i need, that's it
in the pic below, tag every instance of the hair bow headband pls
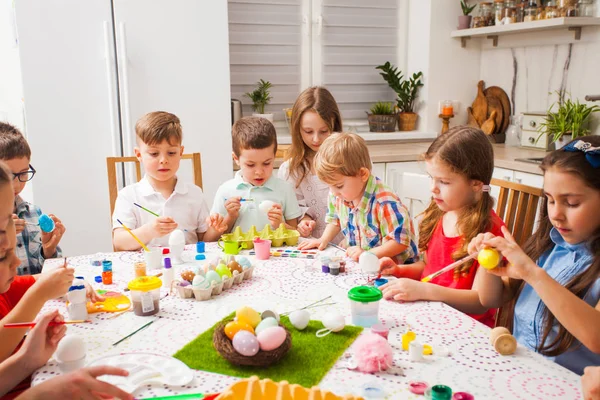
(592, 154)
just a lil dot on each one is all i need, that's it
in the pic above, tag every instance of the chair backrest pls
(517, 206)
(111, 166)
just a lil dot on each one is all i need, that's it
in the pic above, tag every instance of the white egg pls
(176, 237)
(70, 348)
(333, 321)
(300, 319)
(266, 205)
(368, 262)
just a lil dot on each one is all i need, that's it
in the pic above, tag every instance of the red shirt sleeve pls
(17, 289)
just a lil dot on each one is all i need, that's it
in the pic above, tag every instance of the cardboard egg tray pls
(255, 389)
(278, 237)
(187, 292)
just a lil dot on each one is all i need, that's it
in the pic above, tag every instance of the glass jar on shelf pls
(586, 8)
(498, 11)
(520, 12)
(509, 16)
(530, 14)
(551, 12)
(485, 16)
(541, 13)
(567, 8)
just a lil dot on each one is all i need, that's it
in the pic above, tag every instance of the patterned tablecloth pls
(285, 284)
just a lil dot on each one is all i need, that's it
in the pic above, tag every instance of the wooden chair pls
(111, 166)
(517, 206)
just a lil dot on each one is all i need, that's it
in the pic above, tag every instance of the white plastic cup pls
(153, 258)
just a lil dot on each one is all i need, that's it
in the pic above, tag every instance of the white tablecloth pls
(285, 284)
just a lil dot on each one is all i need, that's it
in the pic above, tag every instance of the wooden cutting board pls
(494, 104)
(499, 93)
(480, 106)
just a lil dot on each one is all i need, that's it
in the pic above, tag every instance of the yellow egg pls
(234, 327)
(248, 315)
(488, 258)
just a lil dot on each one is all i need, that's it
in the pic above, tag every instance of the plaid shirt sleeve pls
(29, 242)
(395, 224)
(332, 215)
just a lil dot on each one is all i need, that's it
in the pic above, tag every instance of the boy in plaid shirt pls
(360, 205)
(33, 245)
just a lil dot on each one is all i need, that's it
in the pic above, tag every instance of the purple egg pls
(245, 343)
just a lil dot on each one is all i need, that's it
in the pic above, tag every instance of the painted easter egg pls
(333, 321)
(266, 205)
(245, 343)
(244, 262)
(271, 338)
(235, 266)
(70, 348)
(488, 258)
(199, 270)
(368, 262)
(212, 276)
(177, 237)
(264, 324)
(200, 282)
(223, 271)
(188, 275)
(215, 261)
(300, 319)
(234, 327)
(248, 315)
(46, 223)
(270, 313)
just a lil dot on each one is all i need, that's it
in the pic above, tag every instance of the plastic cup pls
(145, 295)
(140, 269)
(364, 305)
(153, 258)
(262, 247)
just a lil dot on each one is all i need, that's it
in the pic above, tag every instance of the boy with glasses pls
(33, 245)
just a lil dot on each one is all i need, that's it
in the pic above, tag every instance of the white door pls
(173, 56)
(69, 91)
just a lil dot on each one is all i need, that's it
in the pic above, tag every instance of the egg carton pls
(187, 292)
(278, 237)
(255, 389)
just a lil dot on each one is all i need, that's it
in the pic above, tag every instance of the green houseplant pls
(382, 117)
(407, 91)
(260, 98)
(566, 120)
(464, 21)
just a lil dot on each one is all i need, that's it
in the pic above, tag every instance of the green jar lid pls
(365, 294)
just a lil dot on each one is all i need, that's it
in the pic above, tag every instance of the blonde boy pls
(180, 205)
(254, 146)
(360, 205)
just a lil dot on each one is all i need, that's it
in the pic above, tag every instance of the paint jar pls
(107, 275)
(145, 295)
(439, 392)
(153, 258)
(586, 8)
(342, 266)
(364, 305)
(334, 268)
(139, 269)
(325, 268)
(200, 247)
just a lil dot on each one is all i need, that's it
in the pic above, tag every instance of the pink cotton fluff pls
(372, 353)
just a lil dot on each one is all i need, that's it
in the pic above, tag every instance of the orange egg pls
(234, 327)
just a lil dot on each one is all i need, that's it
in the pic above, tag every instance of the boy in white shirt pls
(179, 204)
(254, 143)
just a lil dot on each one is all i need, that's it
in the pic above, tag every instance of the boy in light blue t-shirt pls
(239, 199)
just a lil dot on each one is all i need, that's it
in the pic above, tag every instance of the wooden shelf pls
(493, 32)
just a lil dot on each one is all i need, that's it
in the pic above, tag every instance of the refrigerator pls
(90, 69)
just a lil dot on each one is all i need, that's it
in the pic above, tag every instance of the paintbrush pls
(133, 235)
(145, 209)
(312, 305)
(32, 324)
(133, 333)
(448, 268)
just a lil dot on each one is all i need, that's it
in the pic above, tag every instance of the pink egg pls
(271, 338)
(245, 343)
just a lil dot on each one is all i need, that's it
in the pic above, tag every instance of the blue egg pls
(264, 324)
(46, 223)
(244, 262)
(212, 276)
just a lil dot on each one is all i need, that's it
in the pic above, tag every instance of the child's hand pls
(42, 340)
(306, 226)
(354, 252)
(520, 265)
(91, 294)
(162, 226)
(55, 283)
(233, 205)
(590, 383)
(403, 289)
(19, 223)
(275, 216)
(312, 244)
(217, 222)
(387, 266)
(51, 239)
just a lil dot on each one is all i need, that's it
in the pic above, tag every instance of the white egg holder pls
(215, 289)
(145, 369)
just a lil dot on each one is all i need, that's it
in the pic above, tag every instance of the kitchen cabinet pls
(379, 170)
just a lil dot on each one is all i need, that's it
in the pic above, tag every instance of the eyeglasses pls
(25, 175)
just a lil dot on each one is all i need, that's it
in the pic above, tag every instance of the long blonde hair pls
(319, 100)
(467, 151)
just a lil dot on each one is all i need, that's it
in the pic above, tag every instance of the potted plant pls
(407, 92)
(382, 117)
(260, 98)
(464, 21)
(566, 120)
